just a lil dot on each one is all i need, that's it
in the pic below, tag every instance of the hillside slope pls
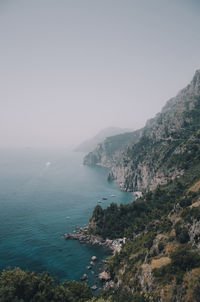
(92, 143)
(160, 151)
(160, 260)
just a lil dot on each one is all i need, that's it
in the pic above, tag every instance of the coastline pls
(83, 236)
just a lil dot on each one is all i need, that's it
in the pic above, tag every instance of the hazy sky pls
(69, 68)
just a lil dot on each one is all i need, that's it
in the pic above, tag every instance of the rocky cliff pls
(160, 151)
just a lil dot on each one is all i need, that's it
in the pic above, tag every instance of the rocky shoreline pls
(82, 235)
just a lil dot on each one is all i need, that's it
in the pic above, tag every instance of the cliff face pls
(160, 151)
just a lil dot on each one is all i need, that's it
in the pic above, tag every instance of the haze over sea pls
(41, 202)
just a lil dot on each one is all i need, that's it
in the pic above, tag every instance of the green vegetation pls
(131, 219)
(122, 296)
(183, 260)
(181, 233)
(158, 241)
(19, 286)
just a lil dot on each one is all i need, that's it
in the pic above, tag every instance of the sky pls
(69, 68)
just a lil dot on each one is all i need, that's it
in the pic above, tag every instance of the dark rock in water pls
(110, 176)
(89, 267)
(104, 198)
(84, 277)
(92, 263)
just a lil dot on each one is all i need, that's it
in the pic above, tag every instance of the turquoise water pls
(35, 201)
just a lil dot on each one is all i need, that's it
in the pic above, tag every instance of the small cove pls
(39, 203)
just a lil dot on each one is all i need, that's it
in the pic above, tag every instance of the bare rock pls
(104, 276)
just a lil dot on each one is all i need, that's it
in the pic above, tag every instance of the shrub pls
(182, 233)
(19, 286)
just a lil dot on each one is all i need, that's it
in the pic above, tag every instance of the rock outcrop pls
(83, 235)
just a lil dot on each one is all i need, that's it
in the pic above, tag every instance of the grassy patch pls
(158, 263)
(195, 187)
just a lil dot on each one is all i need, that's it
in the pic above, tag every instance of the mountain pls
(157, 235)
(162, 150)
(92, 143)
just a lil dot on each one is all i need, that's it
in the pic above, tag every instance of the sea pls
(43, 195)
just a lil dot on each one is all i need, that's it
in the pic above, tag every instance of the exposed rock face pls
(194, 233)
(160, 151)
(104, 276)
